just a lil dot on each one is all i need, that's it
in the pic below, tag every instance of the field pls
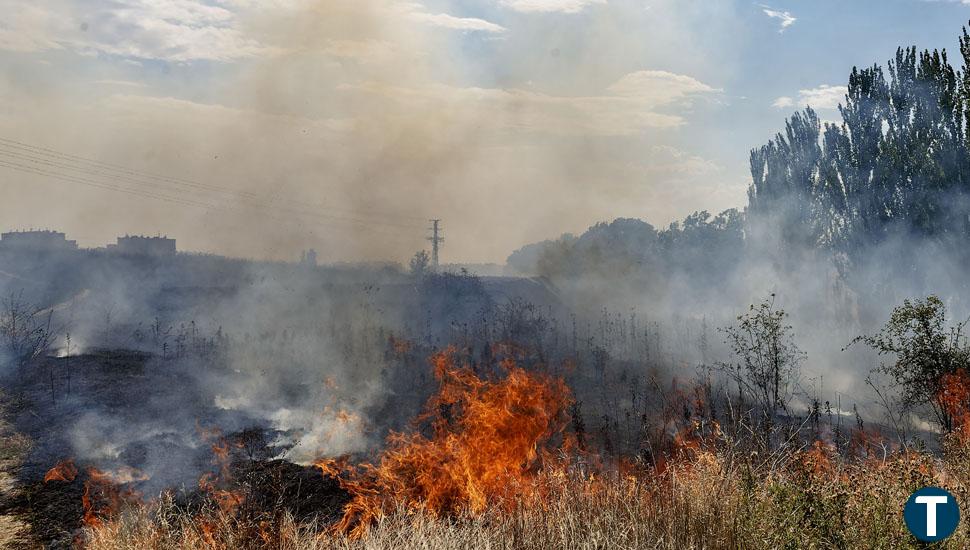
(324, 424)
(705, 501)
(502, 464)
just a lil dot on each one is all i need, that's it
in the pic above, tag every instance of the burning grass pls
(710, 500)
(492, 463)
(487, 441)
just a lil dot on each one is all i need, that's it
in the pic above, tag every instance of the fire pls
(226, 500)
(869, 444)
(65, 470)
(215, 484)
(819, 459)
(103, 495)
(954, 399)
(489, 439)
(345, 417)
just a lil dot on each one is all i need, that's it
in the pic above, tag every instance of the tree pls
(768, 358)
(926, 352)
(785, 180)
(898, 165)
(420, 263)
(26, 332)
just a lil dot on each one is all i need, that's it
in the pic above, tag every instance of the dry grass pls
(13, 447)
(707, 500)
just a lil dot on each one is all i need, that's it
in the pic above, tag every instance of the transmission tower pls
(436, 240)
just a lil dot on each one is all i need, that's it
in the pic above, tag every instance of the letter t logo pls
(931, 502)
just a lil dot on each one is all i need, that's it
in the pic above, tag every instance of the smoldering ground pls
(224, 346)
(307, 356)
(151, 361)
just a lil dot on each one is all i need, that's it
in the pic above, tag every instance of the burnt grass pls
(130, 387)
(53, 511)
(275, 487)
(271, 488)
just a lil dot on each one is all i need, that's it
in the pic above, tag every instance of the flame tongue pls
(104, 495)
(487, 443)
(217, 485)
(954, 398)
(103, 491)
(65, 470)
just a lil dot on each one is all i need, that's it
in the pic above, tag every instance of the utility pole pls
(436, 239)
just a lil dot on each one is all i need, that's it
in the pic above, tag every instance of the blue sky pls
(513, 120)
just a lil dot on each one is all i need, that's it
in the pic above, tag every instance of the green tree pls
(768, 359)
(420, 264)
(785, 181)
(925, 349)
(897, 164)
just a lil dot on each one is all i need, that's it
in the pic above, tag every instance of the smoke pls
(368, 117)
(677, 289)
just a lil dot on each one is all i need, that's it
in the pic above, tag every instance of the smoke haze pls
(372, 115)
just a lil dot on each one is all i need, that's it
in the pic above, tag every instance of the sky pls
(259, 128)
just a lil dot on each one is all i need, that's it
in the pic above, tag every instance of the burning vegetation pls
(502, 450)
(487, 440)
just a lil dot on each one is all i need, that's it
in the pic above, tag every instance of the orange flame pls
(489, 439)
(819, 459)
(869, 444)
(103, 495)
(225, 499)
(64, 470)
(213, 484)
(954, 399)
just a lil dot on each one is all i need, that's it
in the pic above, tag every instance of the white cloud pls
(171, 30)
(29, 27)
(660, 87)
(457, 23)
(783, 102)
(785, 18)
(822, 97)
(546, 6)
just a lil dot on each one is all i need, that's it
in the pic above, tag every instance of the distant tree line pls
(898, 164)
(890, 178)
(702, 245)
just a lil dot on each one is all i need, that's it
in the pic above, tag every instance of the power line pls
(115, 167)
(74, 170)
(182, 181)
(69, 162)
(43, 170)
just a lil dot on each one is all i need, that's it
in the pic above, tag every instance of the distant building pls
(36, 240)
(144, 246)
(309, 258)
